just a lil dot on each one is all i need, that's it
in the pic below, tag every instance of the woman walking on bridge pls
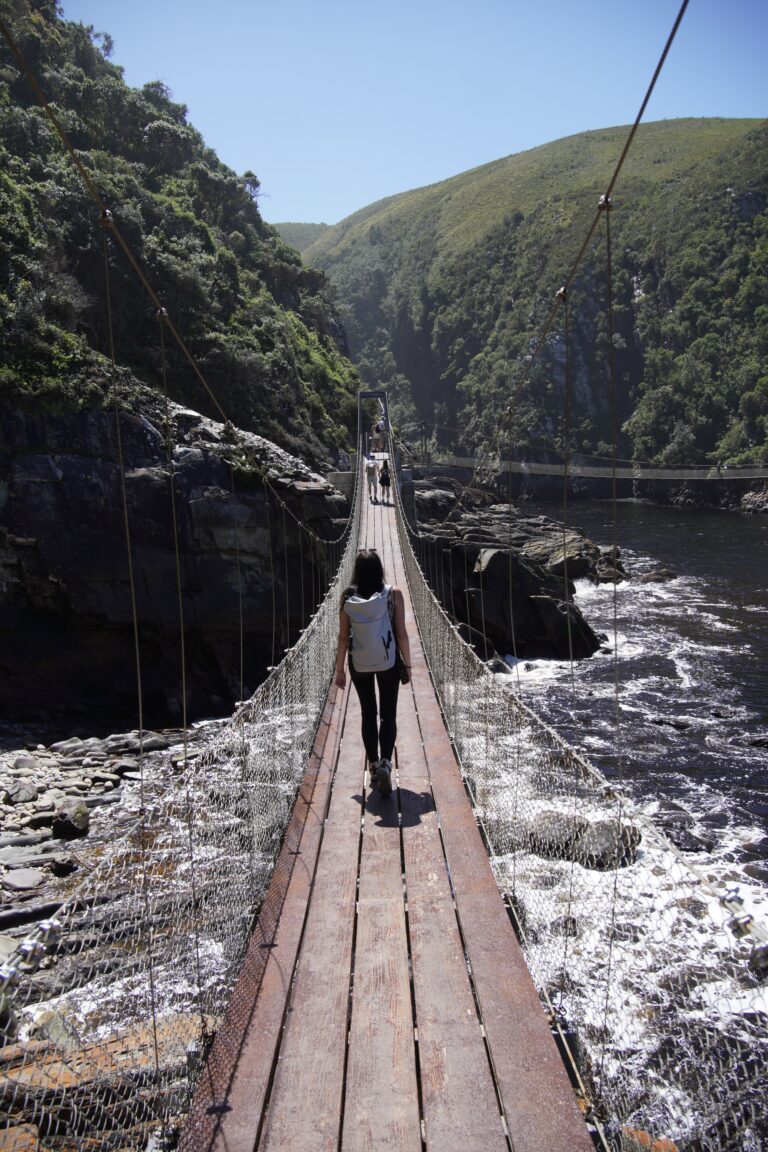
(372, 630)
(384, 482)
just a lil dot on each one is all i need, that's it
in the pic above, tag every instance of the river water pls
(678, 706)
(674, 710)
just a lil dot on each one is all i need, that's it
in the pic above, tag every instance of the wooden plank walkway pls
(384, 1002)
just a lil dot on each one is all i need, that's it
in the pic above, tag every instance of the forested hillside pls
(259, 324)
(301, 236)
(445, 289)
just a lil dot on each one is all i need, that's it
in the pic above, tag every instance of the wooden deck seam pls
(474, 989)
(342, 724)
(418, 657)
(411, 985)
(397, 556)
(352, 967)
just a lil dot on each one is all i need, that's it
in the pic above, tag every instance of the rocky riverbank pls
(61, 804)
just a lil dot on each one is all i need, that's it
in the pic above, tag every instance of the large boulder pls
(755, 502)
(554, 834)
(20, 791)
(519, 607)
(601, 844)
(504, 575)
(606, 844)
(71, 821)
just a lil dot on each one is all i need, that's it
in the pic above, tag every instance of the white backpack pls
(372, 642)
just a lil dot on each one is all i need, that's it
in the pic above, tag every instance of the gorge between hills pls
(438, 297)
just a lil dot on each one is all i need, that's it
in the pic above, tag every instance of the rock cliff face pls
(66, 620)
(731, 494)
(505, 575)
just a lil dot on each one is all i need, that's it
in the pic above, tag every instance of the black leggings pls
(389, 686)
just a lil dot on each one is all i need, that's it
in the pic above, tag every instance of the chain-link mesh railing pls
(107, 1006)
(655, 972)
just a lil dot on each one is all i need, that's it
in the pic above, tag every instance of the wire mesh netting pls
(654, 970)
(107, 1005)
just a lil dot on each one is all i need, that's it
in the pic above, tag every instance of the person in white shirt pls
(371, 475)
(372, 630)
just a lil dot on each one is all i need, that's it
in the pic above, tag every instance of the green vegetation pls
(301, 236)
(445, 291)
(260, 325)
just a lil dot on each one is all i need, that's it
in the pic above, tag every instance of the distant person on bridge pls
(378, 436)
(384, 482)
(371, 472)
(372, 630)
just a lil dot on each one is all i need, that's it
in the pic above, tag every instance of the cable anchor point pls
(758, 960)
(741, 926)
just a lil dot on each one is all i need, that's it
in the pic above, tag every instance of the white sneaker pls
(384, 777)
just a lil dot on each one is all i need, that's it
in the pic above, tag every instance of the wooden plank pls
(527, 1063)
(381, 1095)
(305, 1106)
(461, 1110)
(227, 1106)
(381, 1099)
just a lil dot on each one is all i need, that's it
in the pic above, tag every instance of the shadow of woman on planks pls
(402, 802)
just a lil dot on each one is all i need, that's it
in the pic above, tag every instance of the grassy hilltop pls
(445, 288)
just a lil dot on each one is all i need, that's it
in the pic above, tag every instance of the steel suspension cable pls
(513, 632)
(605, 208)
(562, 294)
(287, 587)
(143, 832)
(567, 397)
(183, 660)
(566, 481)
(612, 182)
(274, 590)
(567, 283)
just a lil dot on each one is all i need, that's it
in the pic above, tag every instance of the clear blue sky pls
(335, 105)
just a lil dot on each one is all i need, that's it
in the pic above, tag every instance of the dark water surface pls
(680, 713)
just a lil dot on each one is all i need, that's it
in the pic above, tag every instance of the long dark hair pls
(368, 574)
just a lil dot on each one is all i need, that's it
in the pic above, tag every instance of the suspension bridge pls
(410, 1014)
(574, 469)
(503, 954)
